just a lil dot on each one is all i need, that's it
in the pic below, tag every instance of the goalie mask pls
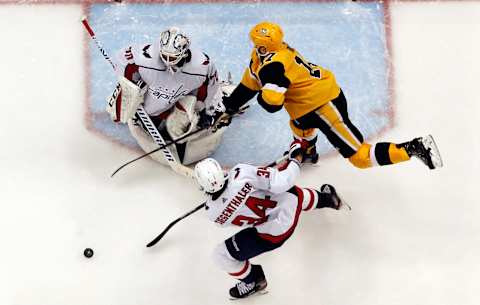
(174, 45)
(209, 175)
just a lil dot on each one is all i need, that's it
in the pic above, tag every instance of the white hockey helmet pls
(174, 45)
(209, 175)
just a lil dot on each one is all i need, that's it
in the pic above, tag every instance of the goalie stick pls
(157, 137)
(199, 207)
(215, 127)
(144, 117)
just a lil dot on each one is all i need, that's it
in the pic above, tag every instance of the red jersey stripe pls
(281, 238)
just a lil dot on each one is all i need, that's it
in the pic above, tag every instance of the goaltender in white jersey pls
(178, 87)
(263, 201)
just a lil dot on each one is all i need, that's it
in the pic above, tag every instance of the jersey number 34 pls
(258, 206)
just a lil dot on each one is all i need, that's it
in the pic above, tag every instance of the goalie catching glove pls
(205, 120)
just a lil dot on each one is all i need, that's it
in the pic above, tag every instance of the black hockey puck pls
(88, 252)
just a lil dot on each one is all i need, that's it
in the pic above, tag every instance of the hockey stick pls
(157, 138)
(160, 236)
(94, 38)
(156, 149)
(215, 127)
(144, 117)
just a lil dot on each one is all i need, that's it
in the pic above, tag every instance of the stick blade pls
(157, 239)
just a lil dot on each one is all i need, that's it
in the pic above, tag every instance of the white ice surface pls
(413, 236)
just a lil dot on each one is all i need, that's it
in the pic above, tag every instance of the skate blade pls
(429, 142)
(344, 204)
(258, 293)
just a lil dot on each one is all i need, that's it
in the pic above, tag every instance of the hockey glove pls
(297, 151)
(221, 119)
(205, 121)
(230, 108)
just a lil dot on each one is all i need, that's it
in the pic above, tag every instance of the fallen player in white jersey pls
(178, 87)
(266, 203)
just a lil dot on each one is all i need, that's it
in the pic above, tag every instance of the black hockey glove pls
(205, 120)
(230, 108)
(222, 119)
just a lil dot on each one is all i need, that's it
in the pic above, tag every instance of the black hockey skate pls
(254, 283)
(311, 155)
(426, 150)
(330, 198)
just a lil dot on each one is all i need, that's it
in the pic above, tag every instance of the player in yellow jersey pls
(314, 101)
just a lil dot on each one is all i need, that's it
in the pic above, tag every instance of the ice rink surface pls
(346, 37)
(413, 236)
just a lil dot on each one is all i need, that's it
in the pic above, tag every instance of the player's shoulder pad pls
(285, 56)
(243, 171)
(199, 63)
(145, 54)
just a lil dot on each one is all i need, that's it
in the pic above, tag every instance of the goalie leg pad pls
(202, 145)
(147, 144)
(184, 118)
(197, 148)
